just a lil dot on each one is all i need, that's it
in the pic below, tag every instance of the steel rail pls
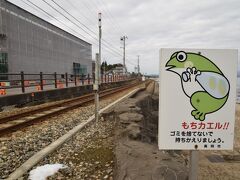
(59, 104)
(17, 121)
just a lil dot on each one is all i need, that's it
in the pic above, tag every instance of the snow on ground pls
(42, 172)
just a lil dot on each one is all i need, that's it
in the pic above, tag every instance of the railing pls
(50, 81)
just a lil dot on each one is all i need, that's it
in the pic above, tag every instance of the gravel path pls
(21, 145)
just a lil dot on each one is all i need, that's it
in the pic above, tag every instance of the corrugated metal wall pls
(33, 45)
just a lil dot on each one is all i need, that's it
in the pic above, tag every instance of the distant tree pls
(105, 66)
(109, 67)
(102, 65)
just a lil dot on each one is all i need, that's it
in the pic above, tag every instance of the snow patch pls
(42, 172)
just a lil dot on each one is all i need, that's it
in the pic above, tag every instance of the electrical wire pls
(62, 23)
(69, 19)
(78, 25)
(109, 14)
(113, 28)
(53, 17)
(82, 14)
(127, 61)
(81, 23)
(108, 18)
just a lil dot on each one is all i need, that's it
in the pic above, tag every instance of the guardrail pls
(40, 81)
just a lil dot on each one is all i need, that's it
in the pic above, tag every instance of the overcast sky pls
(148, 24)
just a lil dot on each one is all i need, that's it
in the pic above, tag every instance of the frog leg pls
(203, 103)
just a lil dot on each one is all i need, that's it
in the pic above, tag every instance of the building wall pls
(0, 18)
(34, 45)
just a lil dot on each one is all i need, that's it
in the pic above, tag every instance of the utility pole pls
(98, 70)
(138, 67)
(100, 38)
(96, 87)
(124, 53)
(135, 69)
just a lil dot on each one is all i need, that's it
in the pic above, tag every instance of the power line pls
(52, 17)
(107, 13)
(77, 24)
(130, 62)
(95, 4)
(30, 6)
(82, 14)
(90, 9)
(78, 21)
(111, 16)
(61, 23)
(69, 19)
(109, 50)
(71, 16)
(108, 20)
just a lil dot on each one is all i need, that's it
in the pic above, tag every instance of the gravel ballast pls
(16, 148)
(89, 155)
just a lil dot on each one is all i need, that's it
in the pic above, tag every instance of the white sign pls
(197, 98)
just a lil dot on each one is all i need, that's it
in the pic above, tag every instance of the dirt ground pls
(229, 169)
(226, 168)
(136, 151)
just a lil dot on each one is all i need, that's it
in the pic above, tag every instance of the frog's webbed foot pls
(198, 115)
(190, 74)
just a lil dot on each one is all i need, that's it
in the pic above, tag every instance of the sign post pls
(193, 166)
(197, 101)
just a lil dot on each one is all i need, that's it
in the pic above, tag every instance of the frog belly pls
(190, 88)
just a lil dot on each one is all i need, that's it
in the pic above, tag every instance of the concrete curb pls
(60, 141)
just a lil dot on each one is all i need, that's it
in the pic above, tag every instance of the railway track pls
(14, 122)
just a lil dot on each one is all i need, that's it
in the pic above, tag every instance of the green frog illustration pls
(202, 81)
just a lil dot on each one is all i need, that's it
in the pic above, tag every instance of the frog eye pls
(181, 56)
